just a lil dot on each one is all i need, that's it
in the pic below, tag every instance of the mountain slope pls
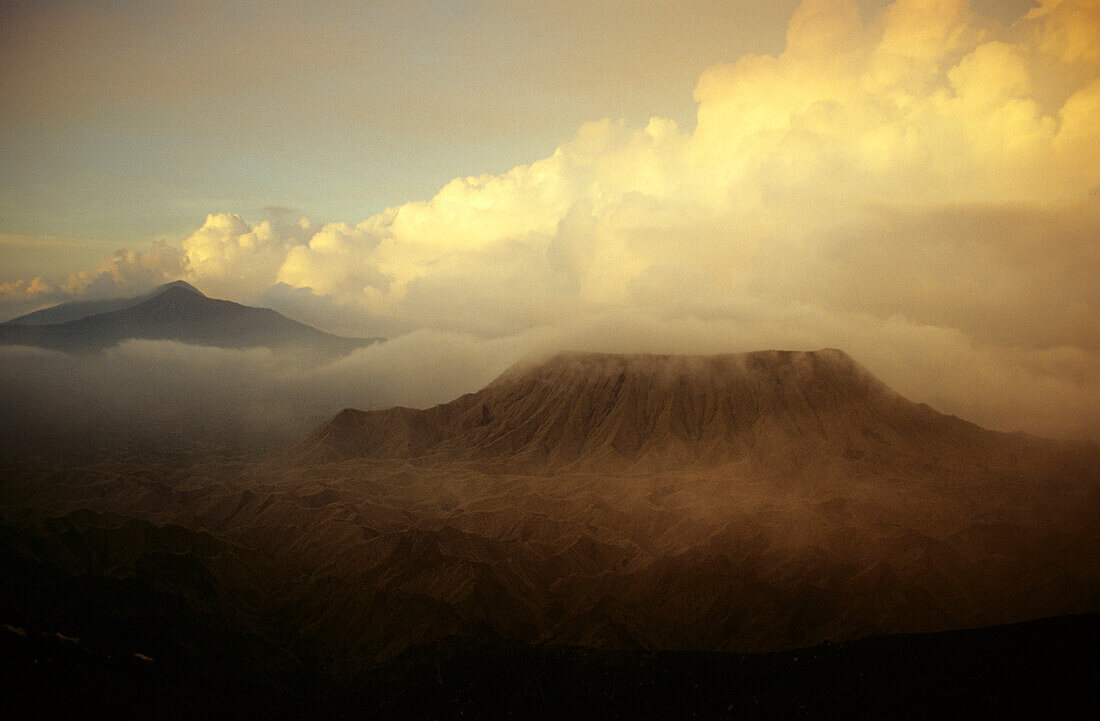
(588, 411)
(175, 311)
(65, 312)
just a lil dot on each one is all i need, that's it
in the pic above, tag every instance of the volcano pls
(772, 411)
(174, 311)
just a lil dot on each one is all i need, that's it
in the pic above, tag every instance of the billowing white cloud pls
(124, 273)
(920, 109)
(919, 187)
(232, 258)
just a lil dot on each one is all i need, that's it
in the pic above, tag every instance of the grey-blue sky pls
(132, 120)
(125, 121)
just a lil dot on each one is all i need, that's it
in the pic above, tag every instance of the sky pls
(915, 182)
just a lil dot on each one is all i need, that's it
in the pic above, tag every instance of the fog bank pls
(169, 394)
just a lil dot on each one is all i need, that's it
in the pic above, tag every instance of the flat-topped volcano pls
(590, 411)
(174, 311)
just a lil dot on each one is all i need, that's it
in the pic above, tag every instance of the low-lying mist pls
(157, 394)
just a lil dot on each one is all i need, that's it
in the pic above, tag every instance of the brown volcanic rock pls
(749, 501)
(778, 410)
(393, 433)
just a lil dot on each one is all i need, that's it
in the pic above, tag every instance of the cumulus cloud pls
(235, 259)
(917, 187)
(126, 272)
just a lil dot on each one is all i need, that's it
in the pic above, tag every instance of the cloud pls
(124, 273)
(920, 110)
(916, 186)
(24, 290)
(235, 259)
(161, 394)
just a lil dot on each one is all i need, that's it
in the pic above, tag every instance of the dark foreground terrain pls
(591, 535)
(1038, 669)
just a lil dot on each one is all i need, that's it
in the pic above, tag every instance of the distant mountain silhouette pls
(75, 310)
(174, 311)
(583, 411)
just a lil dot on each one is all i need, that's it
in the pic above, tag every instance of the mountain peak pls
(614, 411)
(714, 371)
(174, 311)
(606, 362)
(76, 310)
(177, 284)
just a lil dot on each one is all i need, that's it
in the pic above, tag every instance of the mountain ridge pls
(173, 311)
(75, 310)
